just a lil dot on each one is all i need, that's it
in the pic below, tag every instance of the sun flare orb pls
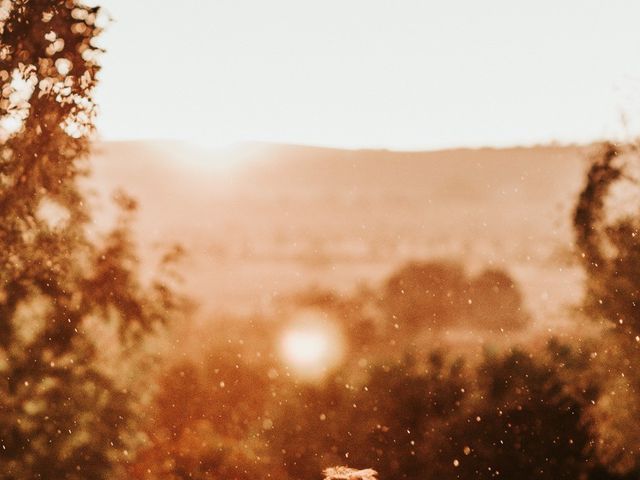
(311, 346)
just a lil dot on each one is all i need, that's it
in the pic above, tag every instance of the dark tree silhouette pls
(607, 235)
(392, 420)
(526, 421)
(609, 244)
(61, 414)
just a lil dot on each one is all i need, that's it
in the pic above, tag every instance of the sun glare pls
(311, 346)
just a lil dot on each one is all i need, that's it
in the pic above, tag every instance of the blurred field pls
(260, 221)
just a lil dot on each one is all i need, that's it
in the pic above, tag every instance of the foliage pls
(395, 413)
(527, 419)
(606, 225)
(61, 414)
(609, 244)
(436, 295)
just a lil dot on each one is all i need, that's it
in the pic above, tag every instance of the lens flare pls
(311, 346)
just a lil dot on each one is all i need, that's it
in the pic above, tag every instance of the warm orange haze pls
(300, 246)
(273, 219)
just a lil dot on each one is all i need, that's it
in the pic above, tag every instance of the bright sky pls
(402, 74)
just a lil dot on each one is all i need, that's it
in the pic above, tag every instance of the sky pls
(402, 74)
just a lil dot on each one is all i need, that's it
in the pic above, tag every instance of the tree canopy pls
(62, 415)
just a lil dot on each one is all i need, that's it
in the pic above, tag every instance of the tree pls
(436, 295)
(393, 420)
(592, 235)
(527, 420)
(426, 295)
(61, 414)
(609, 242)
(607, 236)
(206, 419)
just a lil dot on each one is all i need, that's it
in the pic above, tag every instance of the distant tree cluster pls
(439, 295)
(418, 302)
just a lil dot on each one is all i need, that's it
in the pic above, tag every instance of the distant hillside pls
(262, 220)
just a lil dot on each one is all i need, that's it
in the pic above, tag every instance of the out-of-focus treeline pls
(98, 378)
(411, 401)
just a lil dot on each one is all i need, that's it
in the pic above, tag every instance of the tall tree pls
(62, 415)
(607, 231)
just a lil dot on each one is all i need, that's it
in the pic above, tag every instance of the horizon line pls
(275, 144)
